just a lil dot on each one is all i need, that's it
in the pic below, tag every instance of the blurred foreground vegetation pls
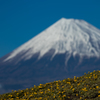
(86, 87)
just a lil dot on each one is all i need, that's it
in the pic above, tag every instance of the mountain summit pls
(68, 48)
(73, 36)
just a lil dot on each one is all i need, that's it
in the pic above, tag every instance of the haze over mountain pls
(67, 48)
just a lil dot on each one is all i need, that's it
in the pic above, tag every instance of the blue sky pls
(20, 20)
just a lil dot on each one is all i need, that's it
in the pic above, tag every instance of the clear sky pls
(21, 20)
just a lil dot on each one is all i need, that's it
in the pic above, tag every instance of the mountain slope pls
(86, 87)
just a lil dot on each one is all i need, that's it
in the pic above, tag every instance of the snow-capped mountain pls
(67, 48)
(74, 36)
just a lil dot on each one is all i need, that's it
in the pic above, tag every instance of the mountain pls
(68, 48)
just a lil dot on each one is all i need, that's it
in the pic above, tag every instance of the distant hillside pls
(86, 87)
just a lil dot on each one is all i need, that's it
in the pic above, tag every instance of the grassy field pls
(86, 87)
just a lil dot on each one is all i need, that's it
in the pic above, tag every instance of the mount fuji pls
(68, 48)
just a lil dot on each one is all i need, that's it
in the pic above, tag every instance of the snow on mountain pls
(71, 35)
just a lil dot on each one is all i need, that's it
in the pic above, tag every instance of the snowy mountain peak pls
(64, 19)
(73, 36)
